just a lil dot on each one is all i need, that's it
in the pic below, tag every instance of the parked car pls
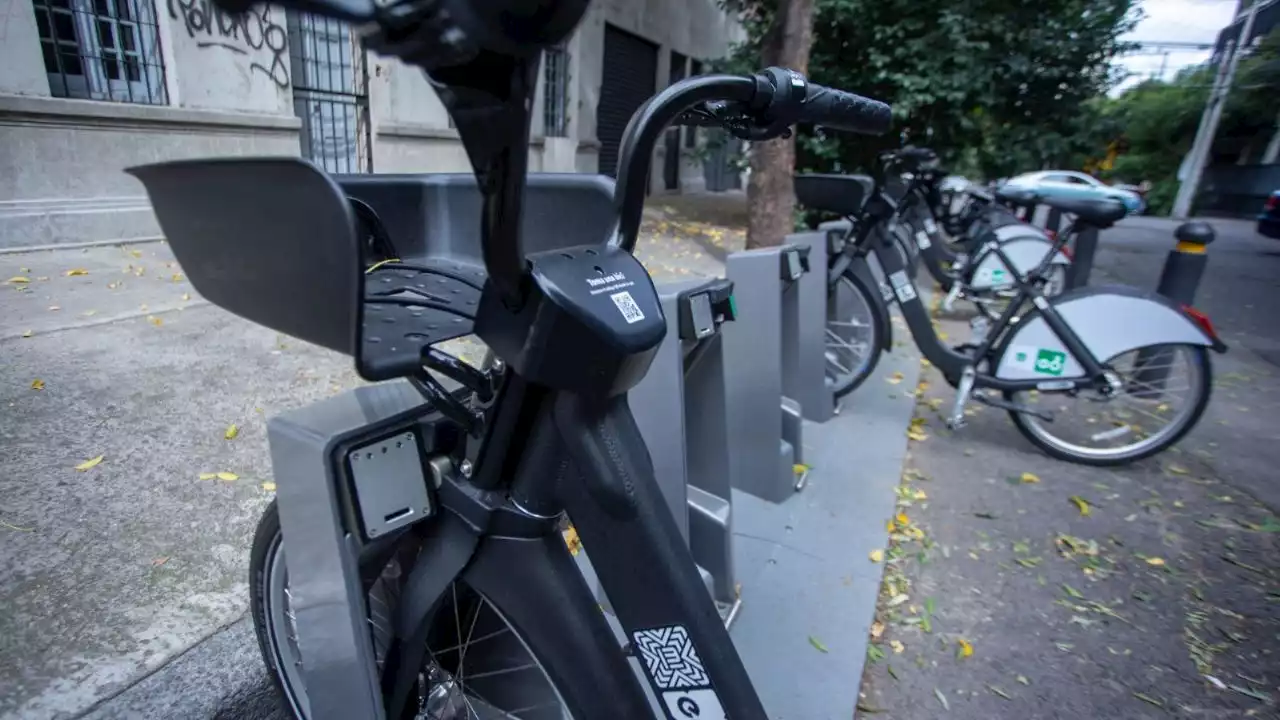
(1077, 184)
(1269, 218)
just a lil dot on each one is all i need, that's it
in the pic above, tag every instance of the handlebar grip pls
(840, 110)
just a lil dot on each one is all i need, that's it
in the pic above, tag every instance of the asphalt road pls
(1003, 598)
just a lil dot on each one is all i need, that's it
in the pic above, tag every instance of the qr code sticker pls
(627, 306)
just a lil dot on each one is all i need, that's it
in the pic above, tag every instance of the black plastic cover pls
(843, 194)
(269, 239)
(590, 325)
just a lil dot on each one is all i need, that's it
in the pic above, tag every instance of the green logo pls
(1051, 362)
(1020, 357)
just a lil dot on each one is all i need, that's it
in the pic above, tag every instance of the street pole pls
(1208, 129)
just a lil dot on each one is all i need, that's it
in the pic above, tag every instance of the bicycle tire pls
(870, 298)
(1205, 390)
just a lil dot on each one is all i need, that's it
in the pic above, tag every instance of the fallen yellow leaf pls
(89, 464)
(572, 540)
(37, 384)
(136, 253)
(232, 431)
(1177, 469)
(18, 280)
(966, 649)
(26, 333)
(1082, 504)
(917, 435)
(875, 556)
(269, 486)
(208, 476)
(186, 296)
(228, 476)
(895, 378)
(1030, 478)
(902, 519)
(155, 320)
(177, 277)
(897, 646)
(76, 271)
(919, 495)
(877, 629)
(1158, 562)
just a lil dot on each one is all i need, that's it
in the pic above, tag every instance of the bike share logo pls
(1051, 362)
(610, 278)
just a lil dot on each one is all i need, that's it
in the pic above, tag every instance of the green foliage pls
(1156, 121)
(1002, 85)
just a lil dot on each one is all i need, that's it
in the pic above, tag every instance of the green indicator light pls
(733, 306)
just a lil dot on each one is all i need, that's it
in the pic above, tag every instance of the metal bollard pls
(1183, 268)
(1085, 247)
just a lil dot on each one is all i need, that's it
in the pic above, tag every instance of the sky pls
(1174, 20)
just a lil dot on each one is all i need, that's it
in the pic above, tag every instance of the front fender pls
(862, 270)
(1110, 320)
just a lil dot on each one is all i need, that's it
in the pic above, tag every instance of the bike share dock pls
(779, 497)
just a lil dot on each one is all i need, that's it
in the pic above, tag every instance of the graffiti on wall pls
(254, 29)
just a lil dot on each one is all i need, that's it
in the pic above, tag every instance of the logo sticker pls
(1050, 362)
(694, 705)
(902, 286)
(627, 306)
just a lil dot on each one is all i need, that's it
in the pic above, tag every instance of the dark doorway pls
(628, 75)
(671, 158)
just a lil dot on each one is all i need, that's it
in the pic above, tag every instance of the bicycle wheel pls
(1165, 391)
(854, 333)
(478, 666)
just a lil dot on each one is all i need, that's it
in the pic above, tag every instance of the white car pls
(1069, 183)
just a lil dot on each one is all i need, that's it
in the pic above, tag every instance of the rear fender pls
(1021, 230)
(1025, 254)
(1109, 319)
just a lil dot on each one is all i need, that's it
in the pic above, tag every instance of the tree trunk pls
(771, 199)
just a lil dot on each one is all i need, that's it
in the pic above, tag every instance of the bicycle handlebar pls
(759, 107)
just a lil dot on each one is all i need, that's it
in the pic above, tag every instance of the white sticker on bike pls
(627, 306)
(930, 226)
(922, 240)
(902, 286)
(669, 655)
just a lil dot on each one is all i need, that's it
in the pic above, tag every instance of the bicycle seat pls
(842, 194)
(1098, 212)
(1016, 196)
(977, 192)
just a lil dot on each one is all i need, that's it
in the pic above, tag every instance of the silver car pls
(1069, 183)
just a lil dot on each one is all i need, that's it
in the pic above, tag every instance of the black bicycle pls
(474, 605)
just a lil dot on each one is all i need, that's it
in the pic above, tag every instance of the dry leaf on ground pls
(964, 648)
(232, 431)
(76, 271)
(269, 486)
(37, 384)
(1029, 478)
(227, 476)
(89, 464)
(876, 556)
(18, 280)
(1081, 504)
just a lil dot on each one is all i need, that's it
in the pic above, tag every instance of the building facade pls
(90, 87)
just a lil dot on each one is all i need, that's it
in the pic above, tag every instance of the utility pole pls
(1208, 129)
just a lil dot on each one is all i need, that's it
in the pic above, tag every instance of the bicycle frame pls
(952, 363)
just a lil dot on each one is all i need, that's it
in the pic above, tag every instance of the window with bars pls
(555, 92)
(102, 50)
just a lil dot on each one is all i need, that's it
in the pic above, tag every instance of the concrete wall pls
(228, 90)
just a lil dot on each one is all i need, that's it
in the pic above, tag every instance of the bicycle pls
(1041, 349)
(426, 611)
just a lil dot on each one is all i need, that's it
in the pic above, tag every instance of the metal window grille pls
(330, 93)
(555, 92)
(102, 50)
